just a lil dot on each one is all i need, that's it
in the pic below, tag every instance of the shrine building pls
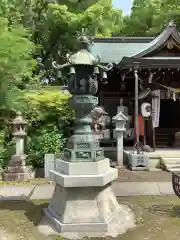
(158, 59)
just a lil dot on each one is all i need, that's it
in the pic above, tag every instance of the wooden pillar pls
(137, 108)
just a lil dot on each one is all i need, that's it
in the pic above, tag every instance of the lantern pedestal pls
(83, 203)
(17, 171)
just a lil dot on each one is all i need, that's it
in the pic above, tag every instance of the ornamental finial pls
(171, 24)
(85, 42)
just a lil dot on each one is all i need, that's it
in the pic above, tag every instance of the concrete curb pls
(142, 188)
(120, 189)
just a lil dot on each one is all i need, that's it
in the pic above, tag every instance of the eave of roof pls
(150, 62)
(123, 39)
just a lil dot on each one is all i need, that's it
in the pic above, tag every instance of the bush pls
(46, 107)
(7, 152)
(48, 141)
(49, 118)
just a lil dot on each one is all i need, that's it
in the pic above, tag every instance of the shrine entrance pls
(169, 114)
(169, 123)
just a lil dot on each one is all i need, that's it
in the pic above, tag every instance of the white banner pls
(156, 108)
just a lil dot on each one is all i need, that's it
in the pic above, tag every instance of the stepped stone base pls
(86, 211)
(18, 173)
(84, 204)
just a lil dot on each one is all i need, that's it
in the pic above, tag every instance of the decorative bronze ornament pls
(170, 44)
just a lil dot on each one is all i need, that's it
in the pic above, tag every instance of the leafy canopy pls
(15, 53)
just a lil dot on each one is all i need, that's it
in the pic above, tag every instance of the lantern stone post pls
(17, 169)
(120, 120)
(83, 201)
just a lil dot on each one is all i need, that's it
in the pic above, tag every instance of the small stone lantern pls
(19, 132)
(17, 169)
(120, 121)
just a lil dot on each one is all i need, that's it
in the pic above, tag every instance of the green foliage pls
(148, 17)
(55, 26)
(16, 62)
(47, 141)
(141, 19)
(49, 118)
(46, 106)
(7, 152)
(65, 20)
(15, 53)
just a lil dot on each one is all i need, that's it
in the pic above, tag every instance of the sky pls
(125, 5)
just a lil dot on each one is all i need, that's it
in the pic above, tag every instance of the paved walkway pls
(121, 189)
(126, 175)
(129, 183)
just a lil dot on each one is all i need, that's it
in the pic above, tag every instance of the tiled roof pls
(114, 49)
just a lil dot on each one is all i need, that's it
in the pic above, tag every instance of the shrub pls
(45, 107)
(7, 152)
(49, 118)
(48, 141)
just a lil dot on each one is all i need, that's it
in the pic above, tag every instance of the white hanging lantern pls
(96, 70)
(104, 76)
(72, 70)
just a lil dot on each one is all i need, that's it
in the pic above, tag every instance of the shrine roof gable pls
(169, 37)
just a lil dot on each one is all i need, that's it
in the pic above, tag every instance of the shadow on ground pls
(33, 210)
(21, 217)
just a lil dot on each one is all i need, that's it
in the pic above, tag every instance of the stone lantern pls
(120, 120)
(19, 132)
(83, 201)
(17, 169)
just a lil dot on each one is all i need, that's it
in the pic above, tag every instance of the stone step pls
(162, 136)
(172, 160)
(166, 154)
(168, 166)
(162, 145)
(161, 139)
(174, 169)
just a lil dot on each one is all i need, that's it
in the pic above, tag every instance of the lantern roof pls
(120, 117)
(19, 119)
(83, 57)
